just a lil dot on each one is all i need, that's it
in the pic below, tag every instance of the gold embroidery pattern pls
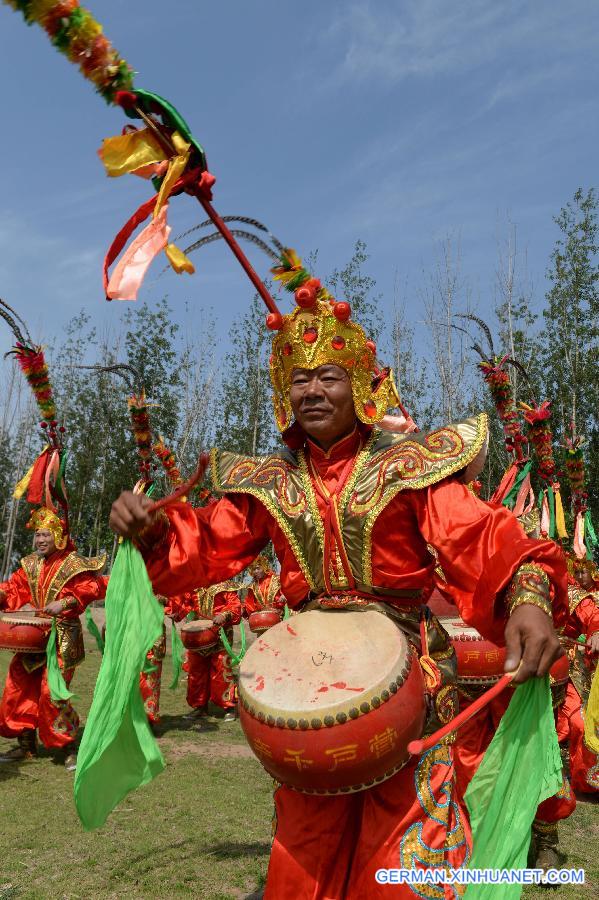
(274, 586)
(439, 808)
(269, 473)
(387, 464)
(472, 434)
(71, 565)
(222, 485)
(311, 497)
(205, 597)
(530, 585)
(577, 595)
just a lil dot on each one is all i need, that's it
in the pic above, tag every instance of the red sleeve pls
(180, 606)
(15, 592)
(480, 547)
(207, 545)
(85, 587)
(586, 616)
(228, 602)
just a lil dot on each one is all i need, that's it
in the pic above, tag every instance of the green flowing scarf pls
(178, 655)
(93, 629)
(118, 751)
(56, 683)
(521, 768)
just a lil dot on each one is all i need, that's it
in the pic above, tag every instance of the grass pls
(201, 829)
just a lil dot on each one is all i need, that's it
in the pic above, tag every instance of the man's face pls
(584, 578)
(257, 572)
(44, 542)
(323, 403)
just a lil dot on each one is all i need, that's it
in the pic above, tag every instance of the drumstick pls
(185, 488)
(418, 747)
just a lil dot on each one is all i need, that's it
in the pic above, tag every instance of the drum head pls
(198, 625)
(319, 663)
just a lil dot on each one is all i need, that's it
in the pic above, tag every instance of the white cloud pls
(427, 38)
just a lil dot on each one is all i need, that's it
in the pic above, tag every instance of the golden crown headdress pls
(318, 332)
(44, 519)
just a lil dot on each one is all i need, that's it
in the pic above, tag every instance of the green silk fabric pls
(56, 683)
(178, 655)
(118, 751)
(521, 768)
(93, 629)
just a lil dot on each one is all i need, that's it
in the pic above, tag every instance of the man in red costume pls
(209, 673)
(57, 582)
(583, 620)
(265, 591)
(150, 679)
(350, 510)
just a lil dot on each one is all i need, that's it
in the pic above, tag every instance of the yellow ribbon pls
(591, 718)
(176, 167)
(560, 521)
(178, 260)
(128, 152)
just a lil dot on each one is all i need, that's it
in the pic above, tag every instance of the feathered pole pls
(584, 540)
(45, 480)
(163, 150)
(538, 419)
(514, 487)
(74, 32)
(168, 461)
(139, 416)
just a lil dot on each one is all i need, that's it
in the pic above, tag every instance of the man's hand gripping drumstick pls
(131, 513)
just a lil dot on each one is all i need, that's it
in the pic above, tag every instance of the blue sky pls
(393, 122)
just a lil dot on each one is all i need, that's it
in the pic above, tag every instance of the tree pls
(245, 419)
(356, 287)
(570, 340)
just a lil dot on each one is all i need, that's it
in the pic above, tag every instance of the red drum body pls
(330, 700)
(200, 635)
(263, 619)
(24, 632)
(479, 661)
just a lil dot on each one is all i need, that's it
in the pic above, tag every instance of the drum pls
(479, 661)
(24, 632)
(200, 635)
(329, 700)
(263, 619)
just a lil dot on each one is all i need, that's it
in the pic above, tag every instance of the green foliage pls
(356, 287)
(569, 342)
(244, 419)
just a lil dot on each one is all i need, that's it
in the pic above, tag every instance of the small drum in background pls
(263, 619)
(201, 635)
(24, 632)
(479, 661)
(330, 700)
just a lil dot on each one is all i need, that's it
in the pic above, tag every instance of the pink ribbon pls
(545, 519)
(578, 543)
(131, 268)
(523, 493)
